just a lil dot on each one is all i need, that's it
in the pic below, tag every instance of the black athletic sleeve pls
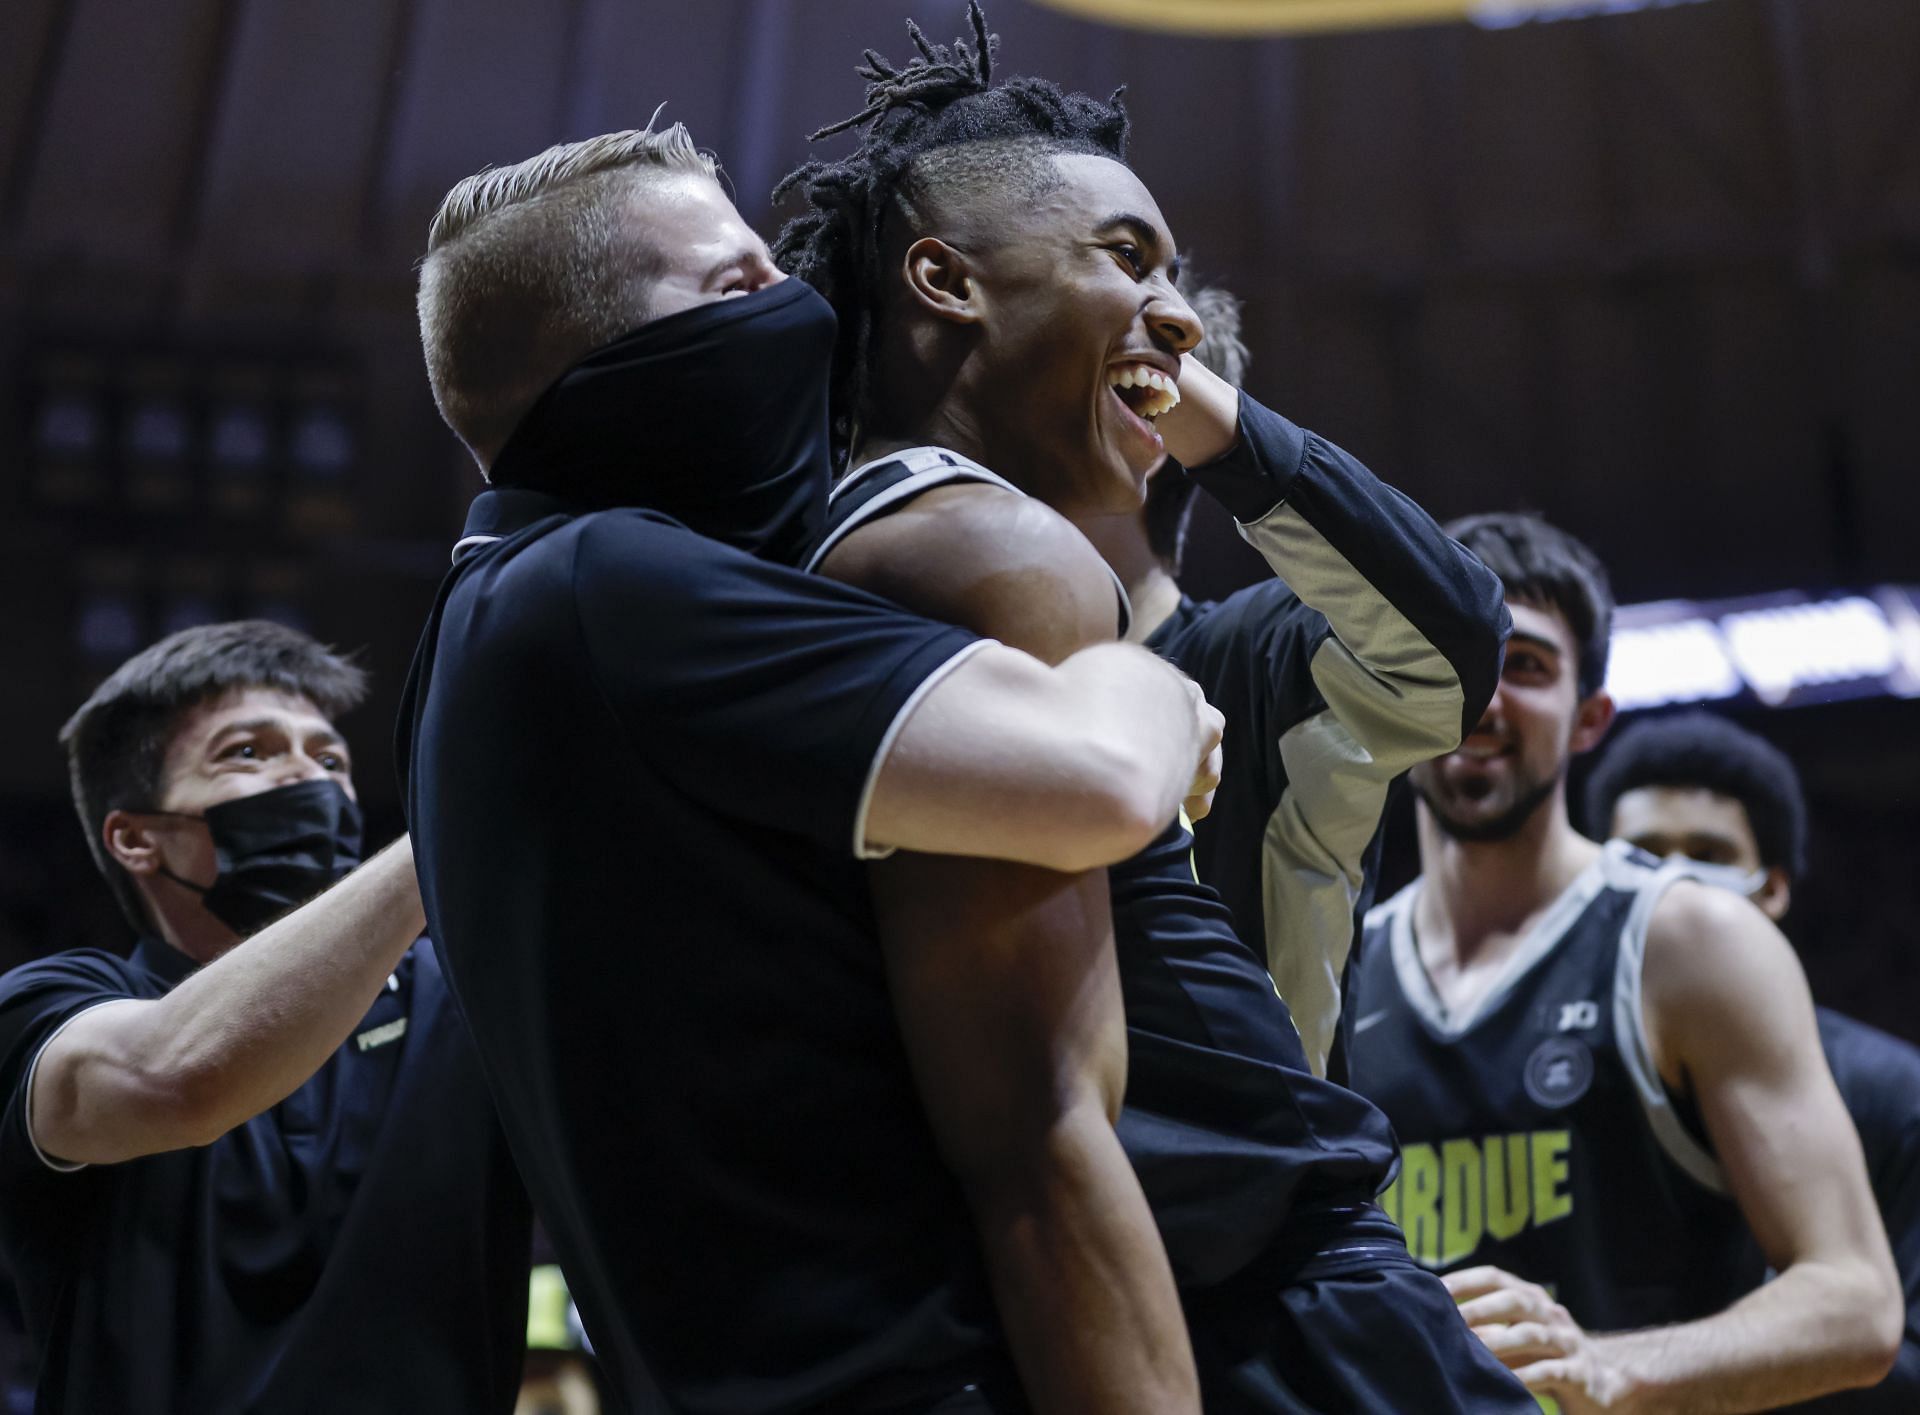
(36, 1001)
(771, 693)
(1380, 650)
(1409, 602)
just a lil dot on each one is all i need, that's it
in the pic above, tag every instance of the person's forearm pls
(1136, 712)
(253, 1026)
(1069, 768)
(1421, 616)
(1082, 1282)
(1808, 1332)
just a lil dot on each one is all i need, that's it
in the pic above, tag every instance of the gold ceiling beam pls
(1256, 17)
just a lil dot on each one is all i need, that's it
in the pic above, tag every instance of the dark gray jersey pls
(1536, 1133)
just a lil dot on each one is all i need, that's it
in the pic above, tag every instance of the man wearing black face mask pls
(645, 756)
(213, 1152)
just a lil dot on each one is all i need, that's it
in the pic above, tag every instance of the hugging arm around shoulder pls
(810, 706)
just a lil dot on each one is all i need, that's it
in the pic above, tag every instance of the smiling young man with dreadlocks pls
(1006, 293)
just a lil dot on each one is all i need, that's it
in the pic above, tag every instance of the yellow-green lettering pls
(1419, 1202)
(1506, 1169)
(1460, 1200)
(1550, 1197)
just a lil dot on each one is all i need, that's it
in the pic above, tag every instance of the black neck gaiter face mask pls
(275, 851)
(715, 416)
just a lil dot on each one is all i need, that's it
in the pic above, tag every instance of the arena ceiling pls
(1656, 273)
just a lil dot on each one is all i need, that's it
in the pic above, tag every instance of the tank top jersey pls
(1536, 1132)
(1233, 1137)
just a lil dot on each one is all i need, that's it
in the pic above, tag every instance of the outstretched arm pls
(1728, 1016)
(810, 706)
(136, 1077)
(1418, 624)
(1007, 991)
(1392, 637)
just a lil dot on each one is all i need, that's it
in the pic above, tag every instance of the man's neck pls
(945, 425)
(1151, 589)
(1478, 898)
(188, 928)
(951, 425)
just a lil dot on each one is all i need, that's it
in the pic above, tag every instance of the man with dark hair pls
(644, 761)
(1605, 1076)
(1011, 329)
(1693, 784)
(212, 1151)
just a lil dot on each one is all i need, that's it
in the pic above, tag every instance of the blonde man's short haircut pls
(530, 267)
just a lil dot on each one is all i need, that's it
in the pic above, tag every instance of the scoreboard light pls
(1777, 650)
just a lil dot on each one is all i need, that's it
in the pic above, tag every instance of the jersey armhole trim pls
(861, 849)
(926, 469)
(33, 1070)
(1636, 1050)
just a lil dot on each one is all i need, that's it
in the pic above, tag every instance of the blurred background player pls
(561, 1376)
(1694, 784)
(1605, 1076)
(231, 1170)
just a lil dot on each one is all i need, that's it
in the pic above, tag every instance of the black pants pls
(1353, 1327)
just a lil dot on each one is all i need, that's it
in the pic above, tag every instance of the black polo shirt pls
(362, 1246)
(636, 768)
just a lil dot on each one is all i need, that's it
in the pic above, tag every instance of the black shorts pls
(999, 1394)
(1355, 1327)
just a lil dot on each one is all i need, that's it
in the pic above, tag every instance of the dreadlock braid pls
(917, 119)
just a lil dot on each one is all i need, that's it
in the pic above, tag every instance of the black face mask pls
(716, 416)
(276, 851)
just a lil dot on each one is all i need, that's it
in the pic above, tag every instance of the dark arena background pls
(1650, 268)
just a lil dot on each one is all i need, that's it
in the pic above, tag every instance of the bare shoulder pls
(1719, 974)
(1699, 930)
(994, 561)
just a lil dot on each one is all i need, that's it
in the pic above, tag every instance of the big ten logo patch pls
(1578, 1017)
(1559, 1072)
(1449, 1197)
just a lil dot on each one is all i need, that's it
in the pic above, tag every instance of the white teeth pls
(1164, 395)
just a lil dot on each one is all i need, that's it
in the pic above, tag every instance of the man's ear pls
(130, 843)
(1590, 722)
(1775, 895)
(941, 281)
